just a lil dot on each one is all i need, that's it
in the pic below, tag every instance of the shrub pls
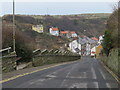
(24, 51)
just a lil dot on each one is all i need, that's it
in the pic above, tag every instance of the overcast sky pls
(60, 0)
(57, 7)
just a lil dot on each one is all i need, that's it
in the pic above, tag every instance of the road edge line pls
(24, 74)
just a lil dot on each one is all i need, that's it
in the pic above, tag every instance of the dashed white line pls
(107, 84)
(79, 85)
(93, 73)
(94, 77)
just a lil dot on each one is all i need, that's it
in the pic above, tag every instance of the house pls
(88, 48)
(68, 34)
(38, 28)
(100, 39)
(65, 34)
(93, 51)
(73, 34)
(94, 38)
(87, 43)
(75, 47)
(98, 49)
(54, 31)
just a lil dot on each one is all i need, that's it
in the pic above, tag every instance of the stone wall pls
(9, 64)
(49, 59)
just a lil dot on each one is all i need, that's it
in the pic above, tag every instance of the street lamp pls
(13, 27)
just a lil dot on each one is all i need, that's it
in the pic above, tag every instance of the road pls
(85, 73)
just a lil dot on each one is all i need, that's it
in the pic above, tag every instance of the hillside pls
(85, 16)
(26, 36)
(94, 24)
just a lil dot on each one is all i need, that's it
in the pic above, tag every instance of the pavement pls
(85, 73)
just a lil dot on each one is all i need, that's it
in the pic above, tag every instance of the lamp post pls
(13, 27)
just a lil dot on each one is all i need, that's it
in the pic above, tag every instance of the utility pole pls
(13, 26)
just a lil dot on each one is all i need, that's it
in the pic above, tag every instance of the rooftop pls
(94, 38)
(72, 32)
(54, 29)
(64, 32)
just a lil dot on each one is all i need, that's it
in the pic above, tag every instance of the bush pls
(24, 51)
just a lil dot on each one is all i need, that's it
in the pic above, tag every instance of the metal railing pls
(6, 49)
(53, 52)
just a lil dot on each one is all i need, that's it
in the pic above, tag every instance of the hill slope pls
(24, 35)
(94, 24)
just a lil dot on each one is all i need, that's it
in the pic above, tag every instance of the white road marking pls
(93, 73)
(39, 80)
(67, 75)
(50, 76)
(95, 84)
(79, 85)
(102, 73)
(79, 77)
(85, 75)
(107, 84)
(58, 70)
(94, 77)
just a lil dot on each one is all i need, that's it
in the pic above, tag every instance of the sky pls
(60, 0)
(59, 7)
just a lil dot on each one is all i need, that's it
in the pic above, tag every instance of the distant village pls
(81, 45)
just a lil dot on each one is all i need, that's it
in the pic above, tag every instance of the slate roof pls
(85, 40)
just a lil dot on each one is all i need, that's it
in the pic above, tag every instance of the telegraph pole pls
(13, 26)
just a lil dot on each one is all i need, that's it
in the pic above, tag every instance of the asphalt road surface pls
(85, 73)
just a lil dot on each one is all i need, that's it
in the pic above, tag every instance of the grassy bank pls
(112, 61)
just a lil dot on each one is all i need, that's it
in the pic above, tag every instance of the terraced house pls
(68, 34)
(65, 34)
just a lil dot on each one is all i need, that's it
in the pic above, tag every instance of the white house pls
(54, 31)
(88, 48)
(75, 47)
(73, 34)
(93, 51)
(100, 39)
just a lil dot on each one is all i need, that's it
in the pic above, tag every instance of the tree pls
(107, 43)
